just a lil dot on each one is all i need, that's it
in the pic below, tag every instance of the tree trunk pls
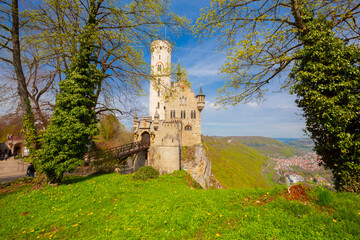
(31, 136)
(20, 77)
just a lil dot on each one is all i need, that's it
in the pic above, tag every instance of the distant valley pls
(252, 161)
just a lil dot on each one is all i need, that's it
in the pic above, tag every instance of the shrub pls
(146, 172)
(325, 197)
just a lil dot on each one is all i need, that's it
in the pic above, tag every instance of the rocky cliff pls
(198, 165)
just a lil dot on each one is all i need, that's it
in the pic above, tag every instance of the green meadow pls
(114, 206)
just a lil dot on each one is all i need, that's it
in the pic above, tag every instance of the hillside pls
(266, 146)
(303, 145)
(235, 165)
(114, 206)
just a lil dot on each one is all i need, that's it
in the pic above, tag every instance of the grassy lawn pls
(114, 206)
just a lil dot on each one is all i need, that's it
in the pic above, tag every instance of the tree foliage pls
(124, 29)
(261, 39)
(112, 132)
(74, 121)
(327, 85)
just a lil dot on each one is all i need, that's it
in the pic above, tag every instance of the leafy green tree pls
(327, 85)
(74, 121)
(260, 39)
(109, 126)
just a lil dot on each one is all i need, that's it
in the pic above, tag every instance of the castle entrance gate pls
(145, 138)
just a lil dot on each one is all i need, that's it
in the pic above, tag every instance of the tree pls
(124, 28)
(112, 132)
(261, 39)
(327, 85)
(74, 121)
(10, 43)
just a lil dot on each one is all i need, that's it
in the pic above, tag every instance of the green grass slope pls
(234, 165)
(114, 206)
(267, 146)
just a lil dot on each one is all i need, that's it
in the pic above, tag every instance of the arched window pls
(194, 114)
(172, 114)
(158, 105)
(159, 67)
(182, 114)
(158, 93)
(188, 128)
(159, 57)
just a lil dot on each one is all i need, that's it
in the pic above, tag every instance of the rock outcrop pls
(198, 165)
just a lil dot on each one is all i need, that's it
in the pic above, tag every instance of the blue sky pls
(277, 117)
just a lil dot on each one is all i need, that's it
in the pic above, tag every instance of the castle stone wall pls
(165, 150)
(185, 102)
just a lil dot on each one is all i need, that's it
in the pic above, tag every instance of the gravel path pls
(12, 169)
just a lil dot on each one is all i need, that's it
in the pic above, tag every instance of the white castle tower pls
(160, 77)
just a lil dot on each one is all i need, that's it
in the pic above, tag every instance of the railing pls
(119, 152)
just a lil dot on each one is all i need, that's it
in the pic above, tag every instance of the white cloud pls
(209, 105)
(253, 104)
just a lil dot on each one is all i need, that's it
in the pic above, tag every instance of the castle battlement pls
(161, 45)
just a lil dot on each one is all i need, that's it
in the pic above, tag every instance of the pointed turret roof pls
(135, 118)
(201, 92)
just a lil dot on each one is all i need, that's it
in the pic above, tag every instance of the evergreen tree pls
(74, 120)
(327, 84)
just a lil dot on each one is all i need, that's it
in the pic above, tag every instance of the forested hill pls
(303, 145)
(266, 146)
(234, 164)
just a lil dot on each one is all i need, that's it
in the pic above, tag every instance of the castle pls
(174, 117)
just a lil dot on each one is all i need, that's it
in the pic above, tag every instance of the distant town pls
(305, 167)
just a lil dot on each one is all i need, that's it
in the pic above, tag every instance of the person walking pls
(31, 170)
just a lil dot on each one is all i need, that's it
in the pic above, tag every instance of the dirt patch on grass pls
(294, 193)
(13, 186)
(298, 193)
(35, 183)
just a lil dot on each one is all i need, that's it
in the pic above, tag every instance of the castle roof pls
(201, 92)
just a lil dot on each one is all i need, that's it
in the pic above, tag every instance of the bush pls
(325, 197)
(146, 172)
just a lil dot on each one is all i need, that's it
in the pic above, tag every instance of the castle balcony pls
(200, 106)
(201, 100)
